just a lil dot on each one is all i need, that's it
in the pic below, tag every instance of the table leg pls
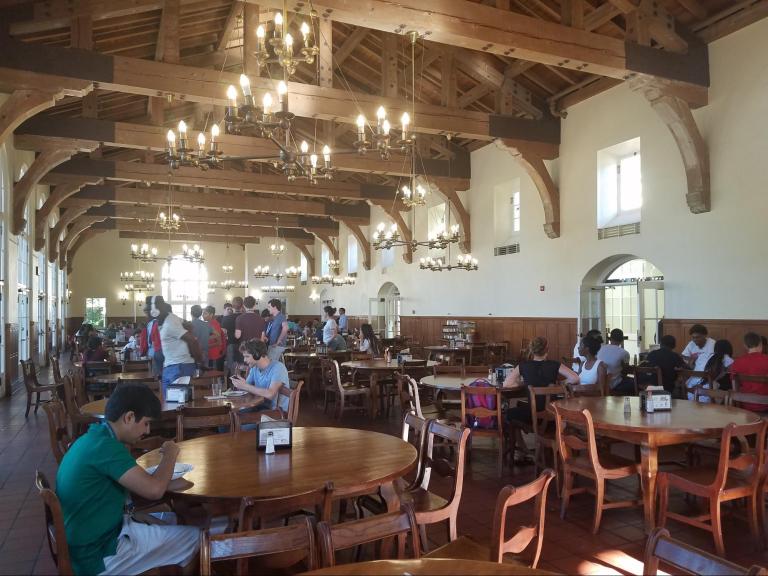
(649, 467)
(390, 496)
(374, 383)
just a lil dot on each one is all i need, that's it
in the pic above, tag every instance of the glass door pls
(650, 310)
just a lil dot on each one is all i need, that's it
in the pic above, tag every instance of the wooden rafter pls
(676, 114)
(78, 226)
(22, 105)
(82, 238)
(549, 194)
(235, 11)
(56, 197)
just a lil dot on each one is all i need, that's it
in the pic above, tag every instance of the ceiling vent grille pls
(509, 249)
(617, 231)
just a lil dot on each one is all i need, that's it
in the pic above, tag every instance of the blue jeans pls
(171, 373)
(157, 363)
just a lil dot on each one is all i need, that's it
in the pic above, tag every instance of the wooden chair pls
(543, 426)
(54, 526)
(685, 559)
(33, 387)
(732, 479)
(479, 370)
(579, 457)
(285, 396)
(58, 428)
(137, 366)
(416, 404)
(647, 376)
(190, 419)
(428, 506)
(470, 416)
(737, 379)
(284, 547)
(722, 397)
(496, 353)
(684, 375)
(56, 369)
(255, 511)
(74, 397)
(466, 548)
(342, 391)
(381, 528)
(525, 352)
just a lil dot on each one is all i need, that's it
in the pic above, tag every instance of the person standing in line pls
(217, 343)
(228, 322)
(342, 322)
(149, 343)
(202, 331)
(277, 331)
(249, 325)
(180, 348)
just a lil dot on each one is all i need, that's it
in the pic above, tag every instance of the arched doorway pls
(626, 292)
(384, 311)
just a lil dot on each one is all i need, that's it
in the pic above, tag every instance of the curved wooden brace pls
(447, 188)
(22, 105)
(78, 226)
(325, 239)
(304, 249)
(69, 216)
(533, 164)
(405, 231)
(57, 196)
(81, 239)
(676, 114)
(22, 190)
(365, 245)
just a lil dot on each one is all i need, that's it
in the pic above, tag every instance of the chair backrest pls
(542, 420)
(29, 371)
(749, 463)
(294, 399)
(455, 369)
(56, 369)
(480, 369)
(414, 399)
(481, 407)
(739, 398)
(381, 527)
(292, 543)
(455, 437)
(572, 426)
(513, 496)
(686, 559)
(54, 525)
(58, 428)
(648, 375)
(331, 373)
(737, 379)
(189, 418)
(413, 364)
(683, 375)
(136, 366)
(497, 353)
(254, 511)
(715, 396)
(360, 355)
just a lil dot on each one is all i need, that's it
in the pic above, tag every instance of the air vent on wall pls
(504, 250)
(616, 231)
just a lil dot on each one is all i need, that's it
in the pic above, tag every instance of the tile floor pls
(569, 546)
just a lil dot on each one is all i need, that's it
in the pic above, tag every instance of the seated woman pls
(331, 336)
(536, 372)
(717, 366)
(593, 370)
(265, 376)
(368, 341)
(94, 352)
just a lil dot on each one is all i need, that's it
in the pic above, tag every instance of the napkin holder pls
(503, 371)
(179, 390)
(661, 399)
(280, 431)
(403, 357)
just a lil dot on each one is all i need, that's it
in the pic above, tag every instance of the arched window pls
(635, 270)
(184, 284)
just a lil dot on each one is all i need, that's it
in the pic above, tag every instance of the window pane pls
(631, 185)
(303, 268)
(325, 256)
(351, 254)
(516, 212)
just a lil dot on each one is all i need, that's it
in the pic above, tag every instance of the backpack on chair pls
(487, 401)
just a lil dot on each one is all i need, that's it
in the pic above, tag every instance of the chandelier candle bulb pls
(361, 127)
(245, 85)
(232, 97)
(282, 95)
(405, 120)
(260, 34)
(201, 143)
(305, 33)
(266, 103)
(289, 43)
(381, 115)
(171, 141)
(304, 147)
(278, 24)
(386, 127)
(313, 161)
(214, 134)
(327, 156)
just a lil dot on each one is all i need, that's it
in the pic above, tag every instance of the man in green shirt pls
(93, 484)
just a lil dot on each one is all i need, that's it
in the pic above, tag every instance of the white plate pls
(179, 470)
(235, 393)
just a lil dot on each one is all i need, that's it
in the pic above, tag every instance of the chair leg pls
(37, 401)
(662, 489)
(754, 524)
(341, 407)
(599, 498)
(717, 527)
(29, 404)
(566, 495)
(423, 538)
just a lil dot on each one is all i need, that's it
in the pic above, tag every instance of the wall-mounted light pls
(314, 296)
(123, 297)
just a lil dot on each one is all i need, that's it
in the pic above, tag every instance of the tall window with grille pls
(184, 284)
(620, 185)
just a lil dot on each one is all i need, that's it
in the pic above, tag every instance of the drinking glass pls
(216, 387)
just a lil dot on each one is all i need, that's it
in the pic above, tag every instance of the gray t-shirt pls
(202, 330)
(614, 357)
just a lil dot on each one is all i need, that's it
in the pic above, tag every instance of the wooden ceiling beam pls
(42, 131)
(467, 24)
(238, 201)
(235, 11)
(734, 17)
(348, 46)
(188, 237)
(135, 76)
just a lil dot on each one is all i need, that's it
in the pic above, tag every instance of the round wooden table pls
(686, 422)
(376, 367)
(432, 566)
(228, 466)
(111, 379)
(96, 408)
(304, 355)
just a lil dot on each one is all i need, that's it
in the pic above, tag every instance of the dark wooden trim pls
(692, 67)
(506, 126)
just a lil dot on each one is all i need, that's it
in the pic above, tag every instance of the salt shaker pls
(270, 443)
(627, 405)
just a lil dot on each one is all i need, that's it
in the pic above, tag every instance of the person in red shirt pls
(217, 347)
(754, 363)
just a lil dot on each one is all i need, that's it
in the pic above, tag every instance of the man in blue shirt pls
(277, 332)
(343, 325)
(265, 376)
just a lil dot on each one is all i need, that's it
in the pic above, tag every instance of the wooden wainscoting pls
(11, 356)
(560, 332)
(732, 330)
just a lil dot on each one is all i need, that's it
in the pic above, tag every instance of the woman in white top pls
(330, 328)
(593, 370)
(368, 341)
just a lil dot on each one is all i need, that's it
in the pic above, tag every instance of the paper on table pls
(219, 397)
